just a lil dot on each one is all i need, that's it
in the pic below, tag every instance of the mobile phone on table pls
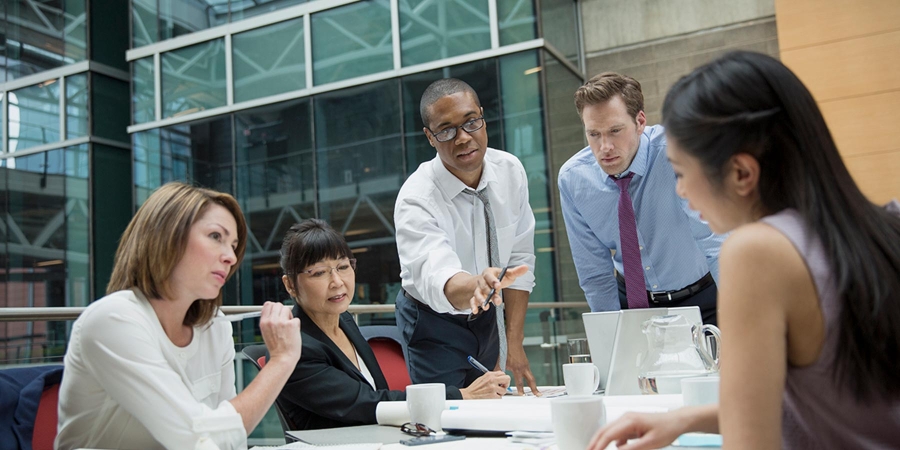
(432, 439)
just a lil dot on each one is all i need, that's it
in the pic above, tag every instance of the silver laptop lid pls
(618, 344)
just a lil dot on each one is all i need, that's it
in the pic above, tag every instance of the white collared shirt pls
(126, 385)
(441, 230)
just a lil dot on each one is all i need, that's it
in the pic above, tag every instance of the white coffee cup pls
(700, 390)
(581, 378)
(426, 403)
(575, 420)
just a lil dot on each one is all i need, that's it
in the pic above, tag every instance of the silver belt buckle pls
(654, 294)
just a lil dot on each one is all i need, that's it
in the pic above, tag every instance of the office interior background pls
(310, 109)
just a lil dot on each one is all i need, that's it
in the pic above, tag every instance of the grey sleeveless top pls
(818, 414)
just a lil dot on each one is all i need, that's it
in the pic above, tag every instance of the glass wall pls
(559, 25)
(193, 78)
(347, 42)
(352, 41)
(566, 139)
(41, 35)
(33, 116)
(342, 156)
(158, 20)
(44, 246)
(258, 70)
(432, 30)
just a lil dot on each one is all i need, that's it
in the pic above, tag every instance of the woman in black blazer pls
(337, 381)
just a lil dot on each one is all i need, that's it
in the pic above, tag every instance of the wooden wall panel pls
(878, 175)
(850, 67)
(864, 125)
(848, 55)
(802, 23)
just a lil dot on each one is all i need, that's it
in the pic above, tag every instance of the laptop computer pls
(618, 345)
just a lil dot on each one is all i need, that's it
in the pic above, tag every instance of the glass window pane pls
(359, 168)
(558, 22)
(142, 89)
(34, 115)
(432, 30)
(517, 21)
(41, 35)
(181, 17)
(76, 106)
(566, 137)
(351, 41)
(144, 28)
(193, 78)
(523, 125)
(43, 247)
(148, 172)
(269, 60)
(275, 185)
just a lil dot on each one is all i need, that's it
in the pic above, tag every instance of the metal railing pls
(72, 312)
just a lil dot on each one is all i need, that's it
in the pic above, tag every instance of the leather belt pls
(661, 297)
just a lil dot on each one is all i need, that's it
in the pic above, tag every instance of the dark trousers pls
(705, 299)
(439, 344)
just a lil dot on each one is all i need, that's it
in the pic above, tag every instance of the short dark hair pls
(439, 89)
(602, 88)
(751, 103)
(309, 242)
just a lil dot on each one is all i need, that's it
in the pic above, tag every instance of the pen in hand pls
(474, 362)
(493, 290)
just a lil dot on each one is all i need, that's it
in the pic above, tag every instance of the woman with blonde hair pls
(148, 366)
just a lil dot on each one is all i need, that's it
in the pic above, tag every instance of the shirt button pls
(654, 286)
(641, 247)
(647, 268)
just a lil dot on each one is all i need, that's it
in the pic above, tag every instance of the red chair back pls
(46, 420)
(390, 358)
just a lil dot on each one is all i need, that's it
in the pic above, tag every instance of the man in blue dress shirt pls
(673, 254)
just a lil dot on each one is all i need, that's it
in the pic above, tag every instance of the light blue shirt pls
(677, 247)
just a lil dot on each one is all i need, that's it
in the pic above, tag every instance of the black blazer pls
(326, 389)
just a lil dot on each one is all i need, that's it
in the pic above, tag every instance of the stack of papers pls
(303, 445)
(535, 438)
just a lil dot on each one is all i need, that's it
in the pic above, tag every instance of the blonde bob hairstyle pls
(156, 239)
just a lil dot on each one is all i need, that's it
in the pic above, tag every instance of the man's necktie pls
(635, 287)
(494, 255)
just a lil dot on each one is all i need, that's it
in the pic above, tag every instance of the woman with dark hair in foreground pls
(337, 381)
(809, 295)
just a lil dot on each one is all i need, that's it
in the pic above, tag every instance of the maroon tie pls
(635, 288)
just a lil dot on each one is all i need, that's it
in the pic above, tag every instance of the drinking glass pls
(579, 351)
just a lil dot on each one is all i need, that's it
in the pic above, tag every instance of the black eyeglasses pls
(416, 429)
(447, 134)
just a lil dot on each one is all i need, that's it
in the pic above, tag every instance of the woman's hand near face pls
(281, 332)
(491, 385)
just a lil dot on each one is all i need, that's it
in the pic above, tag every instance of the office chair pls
(391, 353)
(257, 355)
(28, 406)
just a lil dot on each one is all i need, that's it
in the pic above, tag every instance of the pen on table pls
(236, 317)
(474, 362)
(493, 290)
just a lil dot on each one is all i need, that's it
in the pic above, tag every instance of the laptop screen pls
(618, 345)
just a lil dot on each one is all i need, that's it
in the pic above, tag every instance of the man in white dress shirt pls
(460, 218)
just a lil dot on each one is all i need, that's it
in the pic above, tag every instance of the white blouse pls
(126, 385)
